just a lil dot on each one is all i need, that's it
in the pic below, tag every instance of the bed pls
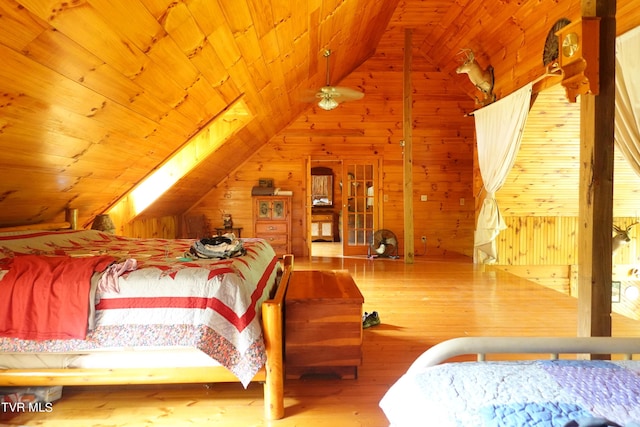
(153, 312)
(557, 391)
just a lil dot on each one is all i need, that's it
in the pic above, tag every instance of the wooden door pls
(360, 210)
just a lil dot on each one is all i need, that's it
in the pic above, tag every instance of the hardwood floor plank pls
(420, 305)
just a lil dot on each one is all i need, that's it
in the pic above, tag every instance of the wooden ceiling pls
(96, 94)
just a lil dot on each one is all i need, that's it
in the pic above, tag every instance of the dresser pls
(322, 226)
(272, 221)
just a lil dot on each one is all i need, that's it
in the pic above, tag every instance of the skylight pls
(183, 161)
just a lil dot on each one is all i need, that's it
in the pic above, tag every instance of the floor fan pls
(384, 245)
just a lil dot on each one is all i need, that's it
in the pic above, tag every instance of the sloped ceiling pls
(96, 94)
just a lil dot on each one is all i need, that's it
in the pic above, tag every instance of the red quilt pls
(43, 298)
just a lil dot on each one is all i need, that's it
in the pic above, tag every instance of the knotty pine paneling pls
(539, 202)
(538, 240)
(372, 128)
(96, 95)
(544, 183)
(161, 228)
(545, 250)
(126, 84)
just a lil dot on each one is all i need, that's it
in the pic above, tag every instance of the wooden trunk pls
(323, 324)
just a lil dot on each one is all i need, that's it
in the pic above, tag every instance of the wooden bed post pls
(273, 327)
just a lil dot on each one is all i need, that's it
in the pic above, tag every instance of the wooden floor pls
(419, 304)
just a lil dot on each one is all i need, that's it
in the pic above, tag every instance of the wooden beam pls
(407, 130)
(596, 183)
(46, 226)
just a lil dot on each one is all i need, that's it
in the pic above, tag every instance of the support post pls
(596, 183)
(407, 130)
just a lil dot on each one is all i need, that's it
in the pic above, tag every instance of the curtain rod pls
(549, 73)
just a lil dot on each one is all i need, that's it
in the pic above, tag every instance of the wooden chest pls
(323, 324)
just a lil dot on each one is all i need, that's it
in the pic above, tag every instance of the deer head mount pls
(621, 237)
(482, 79)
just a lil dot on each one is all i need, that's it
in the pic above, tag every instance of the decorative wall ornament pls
(579, 50)
(551, 50)
(103, 222)
(483, 79)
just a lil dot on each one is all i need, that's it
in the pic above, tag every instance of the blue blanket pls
(529, 393)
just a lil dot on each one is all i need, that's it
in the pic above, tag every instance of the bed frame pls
(554, 346)
(272, 374)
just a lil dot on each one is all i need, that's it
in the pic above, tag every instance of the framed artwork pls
(263, 209)
(278, 209)
(615, 290)
(265, 182)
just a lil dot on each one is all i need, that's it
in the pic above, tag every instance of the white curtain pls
(499, 128)
(627, 119)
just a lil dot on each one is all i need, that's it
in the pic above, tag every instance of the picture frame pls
(265, 182)
(616, 286)
(263, 209)
(278, 209)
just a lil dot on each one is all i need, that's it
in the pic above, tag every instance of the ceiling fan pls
(331, 96)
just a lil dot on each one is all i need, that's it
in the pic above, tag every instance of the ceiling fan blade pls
(326, 91)
(347, 94)
(308, 95)
(331, 96)
(339, 94)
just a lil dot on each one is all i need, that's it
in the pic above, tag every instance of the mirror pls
(321, 187)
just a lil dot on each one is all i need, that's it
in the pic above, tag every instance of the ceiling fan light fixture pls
(332, 96)
(327, 103)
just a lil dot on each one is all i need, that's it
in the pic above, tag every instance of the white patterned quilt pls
(516, 394)
(213, 305)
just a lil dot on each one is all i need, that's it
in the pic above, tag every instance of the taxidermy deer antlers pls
(482, 79)
(621, 238)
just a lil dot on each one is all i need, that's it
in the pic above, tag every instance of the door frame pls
(337, 173)
(377, 211)
(378, 199)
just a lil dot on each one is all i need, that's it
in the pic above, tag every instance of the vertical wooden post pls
(273, 331)
(407, 130)
(308, 204)
(596, 183)
(71, 216)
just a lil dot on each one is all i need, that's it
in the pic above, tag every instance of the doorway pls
(325, 205)
(354, 210)
(361, 205)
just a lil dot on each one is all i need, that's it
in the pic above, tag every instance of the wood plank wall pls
(539, 186)
(539, 202)
(372, 128)
(167, 227)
